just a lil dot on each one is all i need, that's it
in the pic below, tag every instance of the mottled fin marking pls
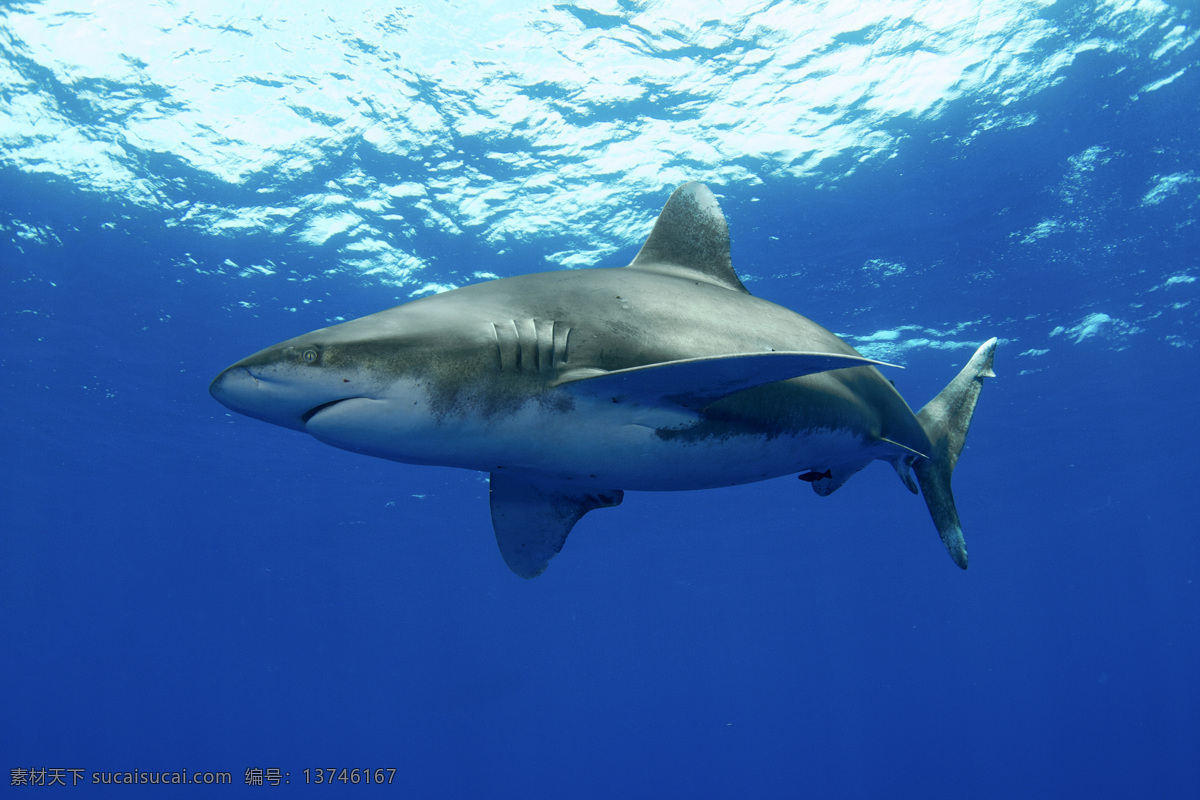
(691, 239)
(532, 518)
(946, 419)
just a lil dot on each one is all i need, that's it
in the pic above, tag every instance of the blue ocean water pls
(185, 589)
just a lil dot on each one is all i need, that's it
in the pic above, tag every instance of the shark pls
(571, 387)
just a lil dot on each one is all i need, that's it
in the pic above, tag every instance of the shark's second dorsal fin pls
(690, 239)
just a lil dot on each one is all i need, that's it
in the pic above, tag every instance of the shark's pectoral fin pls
(697, 382)
(533, 517)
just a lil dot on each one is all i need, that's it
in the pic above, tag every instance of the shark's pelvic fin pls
(691, 239)
(532, 518)
(903, 462)
(695, 383)
(903, 467)
(946, 419)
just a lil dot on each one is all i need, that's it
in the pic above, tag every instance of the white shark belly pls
(637, 458)
(593, 443)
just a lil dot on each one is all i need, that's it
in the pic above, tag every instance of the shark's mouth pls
(312, 412)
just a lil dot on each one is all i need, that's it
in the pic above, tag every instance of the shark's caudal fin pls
(946, 419)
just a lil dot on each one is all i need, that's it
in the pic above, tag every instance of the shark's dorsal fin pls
(690, 239)
(694, 383)
(532, 517)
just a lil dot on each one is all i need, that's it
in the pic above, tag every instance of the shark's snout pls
(230, 384)
(283, 394)
(239, 389)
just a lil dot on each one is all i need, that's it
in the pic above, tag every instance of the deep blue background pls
(180, 588)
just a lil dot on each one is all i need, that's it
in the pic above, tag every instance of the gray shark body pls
(569, 387)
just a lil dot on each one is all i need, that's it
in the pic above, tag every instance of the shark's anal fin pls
(532, 517)
(697, 382)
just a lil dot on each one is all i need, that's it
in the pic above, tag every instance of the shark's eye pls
(310, 356)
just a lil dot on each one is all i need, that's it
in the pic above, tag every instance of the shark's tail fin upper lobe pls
(946, 419)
